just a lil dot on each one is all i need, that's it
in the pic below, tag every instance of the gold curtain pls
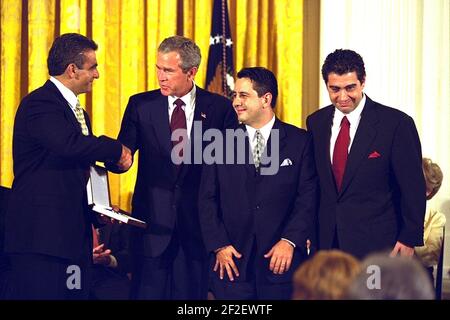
(265, 32)
(72, 18)
(10, 82)
(269, 34)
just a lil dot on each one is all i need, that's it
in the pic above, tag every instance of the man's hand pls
(126, 159)
(403, 249)
(101, 256)
(224, 261)
(280, 257)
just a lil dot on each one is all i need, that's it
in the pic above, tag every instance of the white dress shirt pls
(189, 107)
(68, 94)
(353, 117)
(265, 132)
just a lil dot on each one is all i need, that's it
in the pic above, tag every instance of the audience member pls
(326, 276)
(391, 278)
(434, 224)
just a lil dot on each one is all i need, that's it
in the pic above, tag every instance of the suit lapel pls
(65, 105)
(71, 116)
(88, 122)
(247, 171)
(249, 165)
(364, 137)
(323, 144)
(201, 111)
(160, 120)
(281, 144)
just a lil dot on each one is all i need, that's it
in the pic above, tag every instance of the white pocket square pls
(286, 162)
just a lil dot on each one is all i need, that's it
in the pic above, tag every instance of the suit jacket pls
(48, 210)
(240, 207)
(382, 199)
(4, 195)
(116, 237)
(165, 196)
(113, 283)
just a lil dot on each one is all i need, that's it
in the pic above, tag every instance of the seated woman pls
(429, 253)
(326, 276)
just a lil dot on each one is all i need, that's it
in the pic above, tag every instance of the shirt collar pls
(68, 94)
(352, 117)
(188, 98)
(265, 130)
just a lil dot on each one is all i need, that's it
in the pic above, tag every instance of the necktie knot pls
(179, 104)
(345, 122)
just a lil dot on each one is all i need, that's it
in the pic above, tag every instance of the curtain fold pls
(72, 17)
(269, 34)
(41, 31)
(10, 82)
(197, 26)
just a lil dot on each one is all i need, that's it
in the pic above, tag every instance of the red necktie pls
(341, 152)
(178, 121)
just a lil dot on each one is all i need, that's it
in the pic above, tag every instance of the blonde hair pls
(326, 276)
(433, 176)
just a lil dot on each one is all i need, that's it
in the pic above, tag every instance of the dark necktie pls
(340, 153)
(178, 121)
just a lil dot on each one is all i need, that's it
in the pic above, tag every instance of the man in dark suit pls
(48, 223)
(368, 158)
(112, 262)
(170, 257)
(257, 214)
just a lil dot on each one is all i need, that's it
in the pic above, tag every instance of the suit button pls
(257, 207)
(174, 207)
(177, 186)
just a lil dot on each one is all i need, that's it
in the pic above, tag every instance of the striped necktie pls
(80, 117)
(259, 148)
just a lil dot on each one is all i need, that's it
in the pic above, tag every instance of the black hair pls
(343, 61)
(263, 81)
(66, 49)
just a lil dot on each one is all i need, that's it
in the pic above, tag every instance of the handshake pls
(126, 159)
